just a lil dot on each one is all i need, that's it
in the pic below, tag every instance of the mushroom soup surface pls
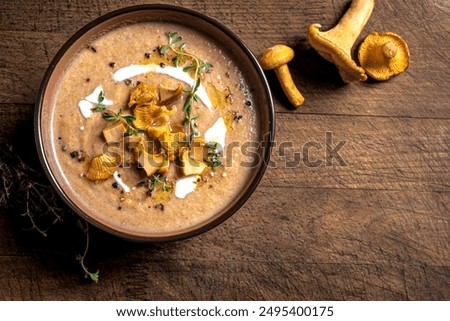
(152, 124)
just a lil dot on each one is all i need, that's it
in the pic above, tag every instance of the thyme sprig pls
(131, 130)
(158, 180)
(111, 116)
(194, 65)
(100, 106)
(214, 156)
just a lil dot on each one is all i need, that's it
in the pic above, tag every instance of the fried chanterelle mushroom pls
(103, 166)
(383, 55)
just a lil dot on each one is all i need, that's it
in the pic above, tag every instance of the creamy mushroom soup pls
(144, 118)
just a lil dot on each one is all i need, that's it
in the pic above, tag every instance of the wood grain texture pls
(372, 223)
(379, 153)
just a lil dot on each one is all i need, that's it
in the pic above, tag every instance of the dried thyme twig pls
(80, 258)
(28, 192)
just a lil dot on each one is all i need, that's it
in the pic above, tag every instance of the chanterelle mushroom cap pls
(383, 55)
(276, 56)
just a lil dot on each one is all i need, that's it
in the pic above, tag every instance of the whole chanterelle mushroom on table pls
(277, 57)
(335, 44)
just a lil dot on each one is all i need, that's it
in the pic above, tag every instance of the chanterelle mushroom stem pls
(389, 50)
(352, 23)
(335, 44)
(288, 86)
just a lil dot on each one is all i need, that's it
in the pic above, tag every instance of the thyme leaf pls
(129, 119)
(110, 117)
(100, 106)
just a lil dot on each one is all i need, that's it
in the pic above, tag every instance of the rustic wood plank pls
(14, 118)
(376, 153)
(24, 58)
(238, 280)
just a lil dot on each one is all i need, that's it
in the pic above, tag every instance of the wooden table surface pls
(371, 225)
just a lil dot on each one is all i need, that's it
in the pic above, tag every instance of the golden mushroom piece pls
(142, 94)
(383, 55)
(190, 166)
(103, 166)
(277, 57)
(335, 44)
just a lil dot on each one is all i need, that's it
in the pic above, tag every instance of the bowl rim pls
(196, 229)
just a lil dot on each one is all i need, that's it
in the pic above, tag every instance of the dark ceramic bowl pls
(243, 58)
